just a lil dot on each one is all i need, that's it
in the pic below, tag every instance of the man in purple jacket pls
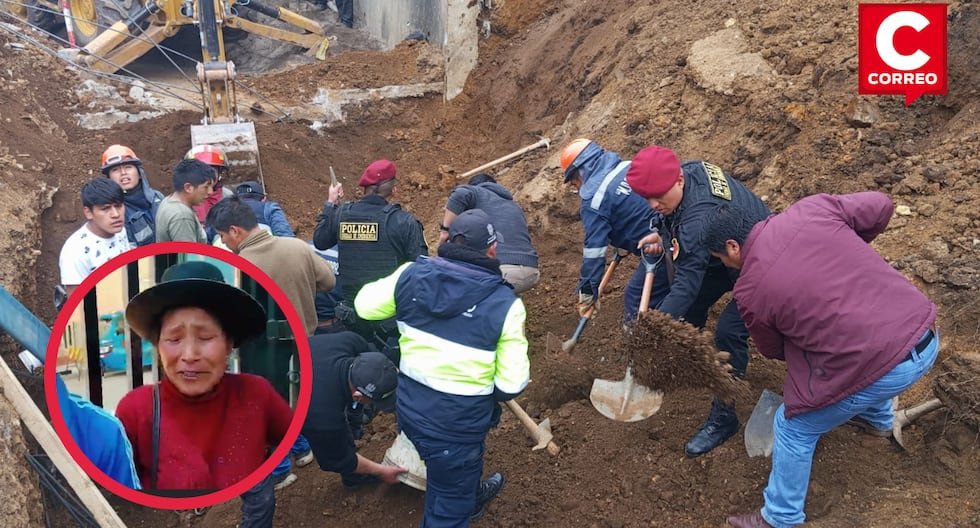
(853, 331)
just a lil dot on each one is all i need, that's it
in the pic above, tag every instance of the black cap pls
(250, 187)
(200, 284)
(375, 376)
(476, 229)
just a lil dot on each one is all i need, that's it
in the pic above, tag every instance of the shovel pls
(758, 432)
(626, 401)
(908, 415)
(569, 344)
(541, 433)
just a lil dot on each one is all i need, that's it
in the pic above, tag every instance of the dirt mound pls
(670, 354)
(958, 386)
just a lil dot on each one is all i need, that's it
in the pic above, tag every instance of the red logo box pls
(902, 50)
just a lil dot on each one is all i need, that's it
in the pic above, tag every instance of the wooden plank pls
(32, 417)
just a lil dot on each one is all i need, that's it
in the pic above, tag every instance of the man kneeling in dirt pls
(853, 331)
(345, 373)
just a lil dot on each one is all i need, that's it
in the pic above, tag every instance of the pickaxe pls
(543, 142)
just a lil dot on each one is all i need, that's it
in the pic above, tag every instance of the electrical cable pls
(165, 88)
(132, 76)
(50, 484)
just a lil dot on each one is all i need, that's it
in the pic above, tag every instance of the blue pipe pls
(22, 325)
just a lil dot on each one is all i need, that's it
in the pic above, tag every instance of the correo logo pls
(902, 50)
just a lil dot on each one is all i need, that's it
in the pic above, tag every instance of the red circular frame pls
(299, 415)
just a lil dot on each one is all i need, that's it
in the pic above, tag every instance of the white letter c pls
(884, 40)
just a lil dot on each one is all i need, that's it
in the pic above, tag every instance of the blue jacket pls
(141, 212)
(462, 343)
(100, 436)
(272, 215)
(611, 212)
(508, 219)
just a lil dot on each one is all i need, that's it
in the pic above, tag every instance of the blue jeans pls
(453, 472)
(259, 505)
(796, 437)
(300, 446)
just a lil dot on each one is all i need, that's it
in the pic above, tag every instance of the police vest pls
(365, 246)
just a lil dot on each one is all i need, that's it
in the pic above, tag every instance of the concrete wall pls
(393, 20)
(449, 24)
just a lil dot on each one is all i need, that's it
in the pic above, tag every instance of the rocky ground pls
(766, 90)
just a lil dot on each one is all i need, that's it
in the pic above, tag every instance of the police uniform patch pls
(361, 231)
(717, 181)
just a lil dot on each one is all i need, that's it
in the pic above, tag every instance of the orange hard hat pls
(117, 155)
(570, 152)
(208, 154)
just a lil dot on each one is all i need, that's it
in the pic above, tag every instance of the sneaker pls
(357, 480)
(304, 458)
(867, 428)
(283, 480)
(489, 488)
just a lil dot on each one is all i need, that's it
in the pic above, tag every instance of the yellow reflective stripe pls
(444, 365)
(513, 368)
(376, 300)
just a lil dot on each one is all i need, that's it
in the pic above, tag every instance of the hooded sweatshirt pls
(514, 247)
(141, 211)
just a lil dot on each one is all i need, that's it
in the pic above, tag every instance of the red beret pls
(653, 171)
(377, 172)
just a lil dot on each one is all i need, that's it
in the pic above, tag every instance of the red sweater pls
(210, 442)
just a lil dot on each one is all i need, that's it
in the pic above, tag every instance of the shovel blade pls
(237, 141)
(625, 401)
(758, 432)
(543, 435)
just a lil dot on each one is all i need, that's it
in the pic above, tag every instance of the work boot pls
(748, 520)
(489, 488)
(868, 428)
(721, 424)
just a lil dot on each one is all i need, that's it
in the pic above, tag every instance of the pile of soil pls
(958, 386)
(765, 90)
(670, 354)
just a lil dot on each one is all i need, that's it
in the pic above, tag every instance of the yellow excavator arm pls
(125, 41)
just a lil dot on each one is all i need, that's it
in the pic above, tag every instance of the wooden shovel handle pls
(647, 288)
(529, 424)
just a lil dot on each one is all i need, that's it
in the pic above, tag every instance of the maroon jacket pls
(815, 294)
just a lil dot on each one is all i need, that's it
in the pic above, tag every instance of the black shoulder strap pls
(155, 452)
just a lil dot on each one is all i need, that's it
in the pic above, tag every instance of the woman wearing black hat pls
(200, 428)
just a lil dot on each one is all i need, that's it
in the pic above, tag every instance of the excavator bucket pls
(238, 142)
